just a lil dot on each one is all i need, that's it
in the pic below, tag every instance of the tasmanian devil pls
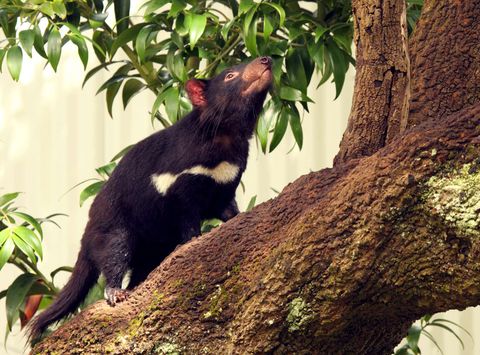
(165, 186)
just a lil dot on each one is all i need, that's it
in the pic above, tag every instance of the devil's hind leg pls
(114, 259)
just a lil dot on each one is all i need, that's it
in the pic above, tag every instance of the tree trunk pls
(445, 61)
(382, 74)
(344, 259)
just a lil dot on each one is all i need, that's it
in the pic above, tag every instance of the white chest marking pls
(223, 173)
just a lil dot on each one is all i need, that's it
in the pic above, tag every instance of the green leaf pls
(54, 48)
(97, 69)
(158, 101)
(5, 251)
(181, 25)
(4, 199)
(131, 88)
(404, 350)
(245, 5)
(267, 27)
(102, 44)
(47, 9)
(226, 29)
(122, 12)
(280, 129)
(2, 55)
(209, 224)
(125, 37)
(440, 320)
(279, 9)
(251, 203)
(177, 39)
(263, 125)
(82, 48)
(14, 61)
(448, 329)
(90, 190)
(296, 126)
(327, 69)
(4, 235)
(106, 170)
(432, 339)
(27, 38)
(340, 66)
(296, 71)
(292, 94)
(30, 238)
(141, 42)
(316, 52)
(277, 69)
(16, 294)
(177, 6)
(250, 31)
(113, 84)
(61, 268)
(39, 288)
(343, 37)
(38, 42)
(175, 65)
(24, 247)
(171, 103)
(121, 153)
(99, 17)
(30, 220)
(115, 79)
(112, 91)
(319, 32)
(59, 8)
(413, 337)
(197, 26)
(152, 5)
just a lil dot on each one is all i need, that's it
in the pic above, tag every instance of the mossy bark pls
(344, 259)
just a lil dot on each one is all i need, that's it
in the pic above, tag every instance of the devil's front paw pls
(115, 295)
(230, 212)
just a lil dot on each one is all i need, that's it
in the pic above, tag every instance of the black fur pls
(131, 225)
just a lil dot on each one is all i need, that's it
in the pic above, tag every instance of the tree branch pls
(445, 61)
(380, 99)
(342, 260)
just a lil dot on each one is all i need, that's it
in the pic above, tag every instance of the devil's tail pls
(83, 277)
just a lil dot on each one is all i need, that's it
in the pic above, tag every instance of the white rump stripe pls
(223, 173)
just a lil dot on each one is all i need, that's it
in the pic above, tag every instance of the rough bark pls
(346, 258)
(445, 56)
(341, 262)
(382, 74)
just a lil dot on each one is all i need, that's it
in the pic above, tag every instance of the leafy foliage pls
(179, 39)
(411, 346)
(21, 237)
(414, 9)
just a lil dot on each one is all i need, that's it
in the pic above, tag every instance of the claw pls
(115, 295)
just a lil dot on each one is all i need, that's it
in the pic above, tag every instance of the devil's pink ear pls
(196, 92)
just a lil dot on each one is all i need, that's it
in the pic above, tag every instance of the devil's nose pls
(266, 60)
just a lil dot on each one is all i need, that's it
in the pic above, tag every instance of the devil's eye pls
(230, 76)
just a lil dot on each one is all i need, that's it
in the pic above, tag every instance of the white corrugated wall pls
(53, 134)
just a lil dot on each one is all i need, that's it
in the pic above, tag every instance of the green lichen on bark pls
(168, 348)
(299, 314)
(455, 196)
(217, 300)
